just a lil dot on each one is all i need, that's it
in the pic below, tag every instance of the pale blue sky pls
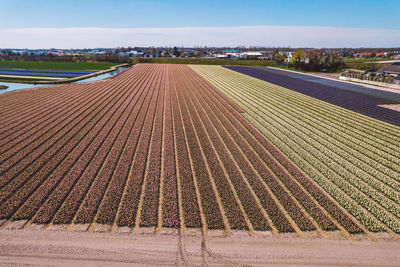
(18, 16)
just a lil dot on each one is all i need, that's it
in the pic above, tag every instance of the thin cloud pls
(294, 36)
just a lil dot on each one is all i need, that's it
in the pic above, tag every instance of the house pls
(346, 53)
(132, 53)
(397, 56)
(188, 54)
(148, 55)
(139, 53)
(220, 56)
(232, 55)
(266, 57)
(250, 55)
(370, 72)
(306, 60)
(123, 54)
(392, 70)
(363, 54)
(127, 54)
(225, 51)
(382, 54)
(289, 56)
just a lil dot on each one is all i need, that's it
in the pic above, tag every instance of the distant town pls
(377, 66)
(249, 53)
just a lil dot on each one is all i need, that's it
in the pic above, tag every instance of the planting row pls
(367, 105)
(361, 177)
(159, 146)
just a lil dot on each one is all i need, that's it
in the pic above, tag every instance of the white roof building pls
(251, 54)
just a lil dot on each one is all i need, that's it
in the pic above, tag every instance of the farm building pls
(251, 55)
(392, 70)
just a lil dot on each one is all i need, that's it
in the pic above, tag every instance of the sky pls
(285, 23)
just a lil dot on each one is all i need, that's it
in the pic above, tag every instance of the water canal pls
(21, 86)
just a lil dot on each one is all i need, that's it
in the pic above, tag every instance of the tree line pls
(319, 61)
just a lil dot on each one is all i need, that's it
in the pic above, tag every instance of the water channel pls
(20, 86)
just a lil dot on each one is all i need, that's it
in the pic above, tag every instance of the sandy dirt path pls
(66, 248)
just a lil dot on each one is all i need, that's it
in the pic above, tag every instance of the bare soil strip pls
(64, 248)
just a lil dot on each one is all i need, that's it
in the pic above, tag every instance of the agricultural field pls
(43, 73)
(364, 60)
(63, 66)
(351, 100)
(202, 147)
(352, 157)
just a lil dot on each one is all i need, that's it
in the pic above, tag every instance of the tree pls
(320, 61)
(176, 52)
(297, 58)
(314, 63)
(279, 58)
(152, 51)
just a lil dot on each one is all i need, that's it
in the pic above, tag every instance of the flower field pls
(45, 73)
(178, 146)
(352, 157)
(358, 102)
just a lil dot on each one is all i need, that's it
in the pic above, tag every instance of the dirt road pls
(66, 248)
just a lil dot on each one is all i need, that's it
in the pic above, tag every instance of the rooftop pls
(389, 69)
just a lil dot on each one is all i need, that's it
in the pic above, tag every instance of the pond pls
(19, 86)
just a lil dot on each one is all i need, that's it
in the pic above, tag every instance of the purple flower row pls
(47, 71)
(364, 104)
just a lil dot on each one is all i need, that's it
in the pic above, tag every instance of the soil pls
(74, 248)
(395, 107)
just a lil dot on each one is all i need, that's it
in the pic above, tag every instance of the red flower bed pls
(89, 145)
(20, 111)
(17, 176)
(191, 212)
(119, 136)
(93, 174)
(92, 152)
(152, 175)
(41, 168)
(170, 199)
(109, 208)
(207, 196)
(30, 119)
(53, 171)
(130, 201)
